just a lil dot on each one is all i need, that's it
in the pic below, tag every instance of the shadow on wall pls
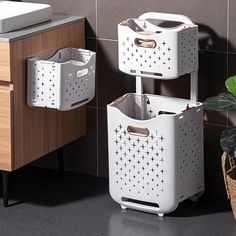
(209, 40)
(212, 73)
(212, 68)
(112, 82)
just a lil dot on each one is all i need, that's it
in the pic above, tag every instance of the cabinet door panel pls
(5, 129)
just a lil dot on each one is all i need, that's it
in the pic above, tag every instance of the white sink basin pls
(17, 15)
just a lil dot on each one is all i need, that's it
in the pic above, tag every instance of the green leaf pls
(221, 102)
(230, 83)
(228, 141)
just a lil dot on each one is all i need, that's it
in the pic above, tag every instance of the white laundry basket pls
(158, 52)
(155, 142)
(64, 81)
(155, 151)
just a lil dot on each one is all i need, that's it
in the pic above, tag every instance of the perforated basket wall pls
(156, 52)
(164, 165)
(64, 81)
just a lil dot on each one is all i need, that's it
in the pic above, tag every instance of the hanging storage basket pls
(155, 151)
(156, 52)
(64, 81)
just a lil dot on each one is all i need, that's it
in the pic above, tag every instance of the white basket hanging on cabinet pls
(158, 52)
(64, 81)
(155, 142)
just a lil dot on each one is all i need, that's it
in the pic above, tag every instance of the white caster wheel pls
(123, 207)
(160, 214)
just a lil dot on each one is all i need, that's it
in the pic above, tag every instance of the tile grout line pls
(212, 51)
(105, 39)
(102, 108)
(227, 59)
(96, 16)
(97, 110)
(137, 227)
(228, 23)
(91, 106)
(90, 37)
(214, 124)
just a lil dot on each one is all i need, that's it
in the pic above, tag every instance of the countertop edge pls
(58, 20)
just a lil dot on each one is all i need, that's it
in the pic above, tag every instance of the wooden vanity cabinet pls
(26, 133)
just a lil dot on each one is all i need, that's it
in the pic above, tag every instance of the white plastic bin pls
(155, 151)
(64, 81)
(158, 52)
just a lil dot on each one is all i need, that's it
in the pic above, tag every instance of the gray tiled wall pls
(217, 43)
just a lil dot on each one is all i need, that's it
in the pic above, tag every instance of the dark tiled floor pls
(80, 205)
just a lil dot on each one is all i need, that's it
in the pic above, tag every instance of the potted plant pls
(221, 102)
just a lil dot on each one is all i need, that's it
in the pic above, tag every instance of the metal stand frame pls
(193, 86)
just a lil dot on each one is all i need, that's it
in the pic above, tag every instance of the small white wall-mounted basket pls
(155, 151)
(152, 51)
(64, 81)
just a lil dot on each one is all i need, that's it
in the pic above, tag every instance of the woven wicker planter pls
(229, 171)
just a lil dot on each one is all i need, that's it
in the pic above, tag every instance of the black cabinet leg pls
(60, 160)
(5, 187)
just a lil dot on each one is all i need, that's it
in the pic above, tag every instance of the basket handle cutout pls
(141, 205)
(81, 73)
(147, 74)
(138, 131)
(166, 113)
(166, 16)
(145, 43)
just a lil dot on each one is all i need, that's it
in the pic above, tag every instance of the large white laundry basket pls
(64, 81)
(158, 52)
(156, 142)
(155, 151)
